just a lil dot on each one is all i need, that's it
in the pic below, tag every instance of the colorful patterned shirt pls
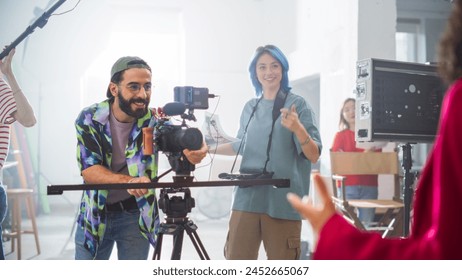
(94, 147)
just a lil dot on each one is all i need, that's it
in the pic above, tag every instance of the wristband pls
(306, 141)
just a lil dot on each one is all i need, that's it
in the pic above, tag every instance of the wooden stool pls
(15, 196)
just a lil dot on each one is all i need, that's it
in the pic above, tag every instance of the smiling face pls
(132, 94)
(348, 113)
(269, 73)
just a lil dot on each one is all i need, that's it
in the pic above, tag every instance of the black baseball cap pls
(124, 63)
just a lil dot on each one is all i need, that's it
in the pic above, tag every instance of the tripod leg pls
(177, 243)
(158, 249)
(177, 231)
(191, 229)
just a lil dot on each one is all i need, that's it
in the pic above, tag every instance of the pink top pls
(344, 141)
(437, 225)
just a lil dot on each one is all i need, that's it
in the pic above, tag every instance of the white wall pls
(65, 66)
(331, 37)
(57, 66)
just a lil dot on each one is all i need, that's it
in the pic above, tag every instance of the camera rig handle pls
(189, 116)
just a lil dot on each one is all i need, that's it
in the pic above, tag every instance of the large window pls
(410, 47)
(407, 40)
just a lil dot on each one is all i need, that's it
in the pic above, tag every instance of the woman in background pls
(356, 186)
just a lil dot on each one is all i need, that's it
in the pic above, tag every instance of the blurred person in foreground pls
(109, 150)
(436, 225)
(14, 106)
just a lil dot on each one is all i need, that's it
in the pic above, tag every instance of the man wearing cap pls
(109, 150)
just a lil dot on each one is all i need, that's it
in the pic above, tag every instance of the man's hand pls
(196, 156)
(138, 192)
(5, 65)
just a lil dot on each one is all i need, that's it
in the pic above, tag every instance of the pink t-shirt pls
(345, 141)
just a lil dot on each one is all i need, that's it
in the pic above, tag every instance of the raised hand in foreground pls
(317, 215)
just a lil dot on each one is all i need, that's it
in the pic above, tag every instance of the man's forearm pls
(98, 174)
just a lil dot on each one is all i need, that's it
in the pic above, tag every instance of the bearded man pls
(109, 150)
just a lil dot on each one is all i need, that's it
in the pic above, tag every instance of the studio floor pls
(56, 234)
(56, 230)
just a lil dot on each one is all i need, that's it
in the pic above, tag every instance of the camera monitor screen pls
(192, 97)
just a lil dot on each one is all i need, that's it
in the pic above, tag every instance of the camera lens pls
(191, 139)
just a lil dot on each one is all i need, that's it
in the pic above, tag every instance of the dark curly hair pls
(450, 46)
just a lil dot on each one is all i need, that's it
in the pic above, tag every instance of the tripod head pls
(176, 222)
(175, 207)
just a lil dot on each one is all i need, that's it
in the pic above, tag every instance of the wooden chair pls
(16, 197)
(351, 163)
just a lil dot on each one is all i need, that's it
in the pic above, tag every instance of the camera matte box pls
(397, 101)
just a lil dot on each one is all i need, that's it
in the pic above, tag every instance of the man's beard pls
(125, 106)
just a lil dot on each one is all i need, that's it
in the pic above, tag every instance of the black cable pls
(78, 2)
(245, 132)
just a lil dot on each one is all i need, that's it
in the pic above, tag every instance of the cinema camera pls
(173, 139)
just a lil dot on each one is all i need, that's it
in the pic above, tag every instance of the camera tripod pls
(176, 223)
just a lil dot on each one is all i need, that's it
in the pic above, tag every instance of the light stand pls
(408, 192)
